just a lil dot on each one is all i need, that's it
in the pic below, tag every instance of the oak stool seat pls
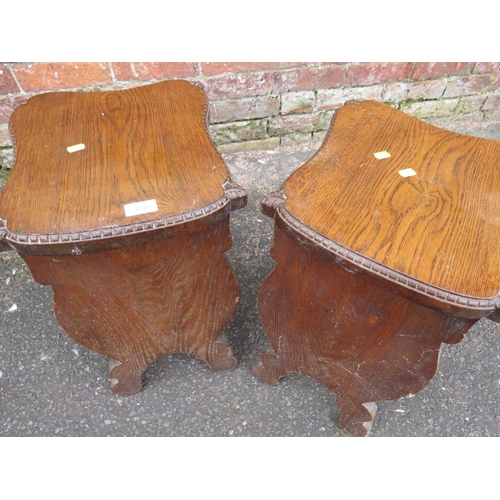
(387, 244)
(120, 201)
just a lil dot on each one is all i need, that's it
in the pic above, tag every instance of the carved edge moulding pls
(430, 296)
(235, 198)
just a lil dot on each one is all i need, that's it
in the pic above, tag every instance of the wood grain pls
(380, 275)
(136, 304)
(440, 227)
(363, 342)
(142, 143)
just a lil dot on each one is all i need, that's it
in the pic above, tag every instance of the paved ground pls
(51, 386)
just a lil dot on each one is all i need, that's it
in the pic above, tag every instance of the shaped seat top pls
(417, 199)
(95, 160)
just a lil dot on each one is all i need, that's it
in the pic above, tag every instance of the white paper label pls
(380, 155)
(76, 147)
(141, 207)
(407, 172)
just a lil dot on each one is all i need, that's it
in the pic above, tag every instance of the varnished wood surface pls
(142, 143)
(136, 304)
(378, 274)
(441, 226)
(364, 343)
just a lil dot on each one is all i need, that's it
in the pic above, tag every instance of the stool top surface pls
(438, 223)
(147, 155)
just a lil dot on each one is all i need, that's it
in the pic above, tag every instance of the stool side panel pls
(136, 304)
(362, 342)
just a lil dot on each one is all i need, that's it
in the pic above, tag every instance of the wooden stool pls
(120, 201)
(387, 244)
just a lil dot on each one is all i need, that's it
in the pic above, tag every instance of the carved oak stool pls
(387, 244)
(120, 201)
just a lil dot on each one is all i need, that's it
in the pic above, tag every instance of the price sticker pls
(140, 207)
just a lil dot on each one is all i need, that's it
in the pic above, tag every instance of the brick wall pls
(263, 105)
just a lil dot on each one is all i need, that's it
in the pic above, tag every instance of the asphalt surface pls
(51, 386)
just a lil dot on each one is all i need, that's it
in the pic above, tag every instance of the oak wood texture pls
(143, 143)
(364, 343)
(375, 270)
(132, 287)
(137, 303)
(439, 226)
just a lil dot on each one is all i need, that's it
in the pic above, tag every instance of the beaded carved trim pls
(111, 232)
(384, 271)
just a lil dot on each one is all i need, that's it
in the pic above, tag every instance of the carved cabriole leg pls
(362, 342)
(136, 304)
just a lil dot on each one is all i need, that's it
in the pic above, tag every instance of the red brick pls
(52, 76)
(334, 98)
(298, 64)
(5, 138)
(217, 68)
(492, 102)
(403, 91)
(7, 83)
(309, 64)
(472, 85)
(282, 125)
(160, 70)
(431, 109)
(470, 104)
(6, 108)
(296, 138)
(371, 73)
(123, 71)
(239, 131)
(234, 86)
(486, 67)
(261, 144)
(297, 102)
(8, 104)
(330, 77)
(244, 109)
(310, 78)
(438, 69)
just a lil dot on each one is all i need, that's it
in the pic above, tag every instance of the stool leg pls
(218, 356)
(271, 368)
(125, 378)
(363, 342)
(356, 418)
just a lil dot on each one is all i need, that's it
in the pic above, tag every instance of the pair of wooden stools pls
(386, 241)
